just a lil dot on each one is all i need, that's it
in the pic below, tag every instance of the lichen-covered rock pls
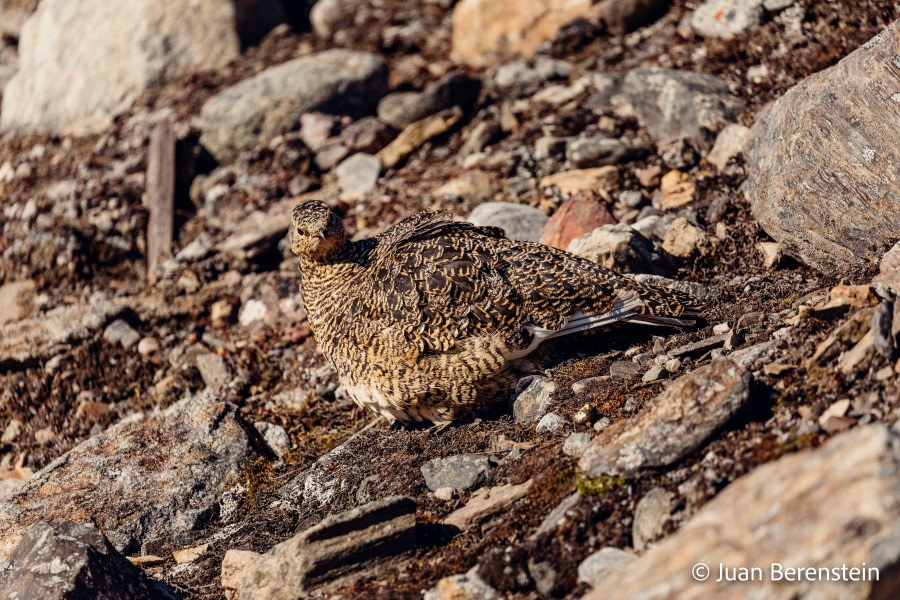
(257, 109)
(143, 483)
(826, 508)
(822, 162)
(64, 560)
(673, 424)
(85, 61)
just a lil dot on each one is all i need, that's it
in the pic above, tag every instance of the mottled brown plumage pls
(429, 318)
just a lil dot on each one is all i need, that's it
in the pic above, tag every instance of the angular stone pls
(576, 444)
(64, 560)
(402, 109)
(550, 423)
(651, 515)
(596, 568)
(673, 424)
(485, 31)
(822, 176)
(121, 333)
(416, 134)
(699, 347)
(577, 216)
(358, 174)
(485, 503)
(726, 19)
(534, 397)
(677, 189)
(468, 586)
(337, 546)
(676, 105)
(83, 62)
(45, 335)
(16, 300)
(621, 248)
(598, 151)
(213, 370)
(520, 222)
(233, 565)
(730, 142)
(270, 103)
(600, 179)
(683, 239)
(142, 482)
(460, 472)
(823, 508)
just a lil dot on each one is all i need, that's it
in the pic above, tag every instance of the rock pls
(16, 300)
(459, 473)
(700, 346)
(520, 222)
(317, 129)
(889, 269)
(119, 332)
(259, 231)
(533, 398)
(142, 482)
(623, 16)
(49, 333)
(63, 560)
(475, 186)
(776, 5)
(649, 176)
(655, 373)
(486, 32)
(883, 327)
(12, 431)
(213, 370)
(771, 252)
(358, 174)
(270, 299)
(83, 62)
(329, 16)
(578, 215)
(485, 503)
(546, 147)
(730, 142)
(411, 138)
(853, 359)
(276, 437)
(186, 555)
(576, 444)
(726, 19)
(621, 248)
(848, 333)
(600, 179)
(468, 586)
(683, 239)
(270, 103)
(651, 516)
(678, 154)
(544, 576)
(821, 176)
(596, 568)
(402, 109)
(597, 151)
(550, 423)
(677, 189)
(623, 370)
(336, 546)
(802, 510)
(836, 411)
(675, 105)
(673, 424)
(233, 565)
(367, 135)
(44, 436)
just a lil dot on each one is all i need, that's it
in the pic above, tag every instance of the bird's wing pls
(438, 282)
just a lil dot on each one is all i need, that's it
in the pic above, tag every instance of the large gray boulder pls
(268, 104)
(831, 509)
(82, 62)
(142, 482)
(823, 177)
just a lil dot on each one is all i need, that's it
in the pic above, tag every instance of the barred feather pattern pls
(427, 319)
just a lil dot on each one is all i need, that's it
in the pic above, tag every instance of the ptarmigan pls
(427, 319)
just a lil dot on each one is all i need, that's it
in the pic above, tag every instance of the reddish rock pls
(577, 216)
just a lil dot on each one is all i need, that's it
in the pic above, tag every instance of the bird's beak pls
(321, 235)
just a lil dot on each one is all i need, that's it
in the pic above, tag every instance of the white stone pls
(726, 19)
(550, 423)
(730, 143)
(358, 174)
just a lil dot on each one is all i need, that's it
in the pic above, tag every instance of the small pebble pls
(148, 346)
(720, 328)
(550, 423)
(601, 424)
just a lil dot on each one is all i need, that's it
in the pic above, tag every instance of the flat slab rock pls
(334, 548)
(460, 472)
(822, 163)
(64, 560)
(143, 482)
(673, 424)
(832, 506)
(41, 336)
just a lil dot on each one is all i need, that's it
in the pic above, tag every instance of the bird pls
(428, 320)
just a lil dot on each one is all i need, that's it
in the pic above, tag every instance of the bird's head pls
(317, 233)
